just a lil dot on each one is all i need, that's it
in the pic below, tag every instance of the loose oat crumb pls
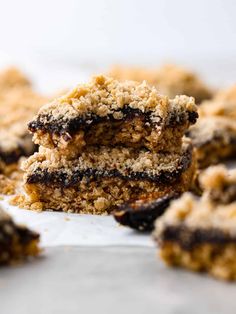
(7, 185)
(20, 201)
(101, 203)
(37, 206)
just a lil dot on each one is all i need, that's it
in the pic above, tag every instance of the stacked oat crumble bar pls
(108, 142)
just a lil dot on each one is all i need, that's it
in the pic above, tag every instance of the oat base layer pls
(218, 260)
(98, 196)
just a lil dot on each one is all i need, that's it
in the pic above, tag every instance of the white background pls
(90, 34)
(136, 29)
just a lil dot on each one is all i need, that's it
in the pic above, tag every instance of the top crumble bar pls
(109, 112)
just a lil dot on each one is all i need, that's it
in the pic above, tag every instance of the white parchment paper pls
(58, 228)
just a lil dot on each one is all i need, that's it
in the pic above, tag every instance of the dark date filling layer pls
(13, 156)
(189, 238)
(25, 147)
(61, 178)
(141, 215)
(199, 142)
(48, 124)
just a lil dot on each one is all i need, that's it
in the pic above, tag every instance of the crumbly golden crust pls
(219, 184)
(11, 179)
(216, 259)
(170, 80)
(201, 213)
(223, 104)
(123, 160)
(119, 113)
(214, 138)
(11, 78)
(200, 234)
(16, 242)
(7, 185)
(17, 107)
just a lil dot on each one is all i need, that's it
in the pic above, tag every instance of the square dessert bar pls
(109, 112)
(169, 79)
(222, 104)
(16, 242)
(200, 234)
(102, 178)
(17, 107)
(12, 78)
(214, 138)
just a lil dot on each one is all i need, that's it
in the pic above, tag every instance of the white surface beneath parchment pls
(58, 228)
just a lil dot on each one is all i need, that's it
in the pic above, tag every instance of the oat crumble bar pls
(11, 78)
(214, 138)
(102, 178)
(16, 242)
(223, 104)
(170, 80)
(200, 234)
(17, 107)
(108, 112)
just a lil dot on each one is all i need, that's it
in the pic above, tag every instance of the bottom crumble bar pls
(217, 259)
(16, 242)
(200, 234)
(103, 178)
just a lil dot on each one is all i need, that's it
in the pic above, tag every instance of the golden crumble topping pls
(16, 109)
(219, 184)
(170, 80)
(223, 104)
(202, 213)
(104, 95)
(12, 77)
(214, 138)
(124, 160)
